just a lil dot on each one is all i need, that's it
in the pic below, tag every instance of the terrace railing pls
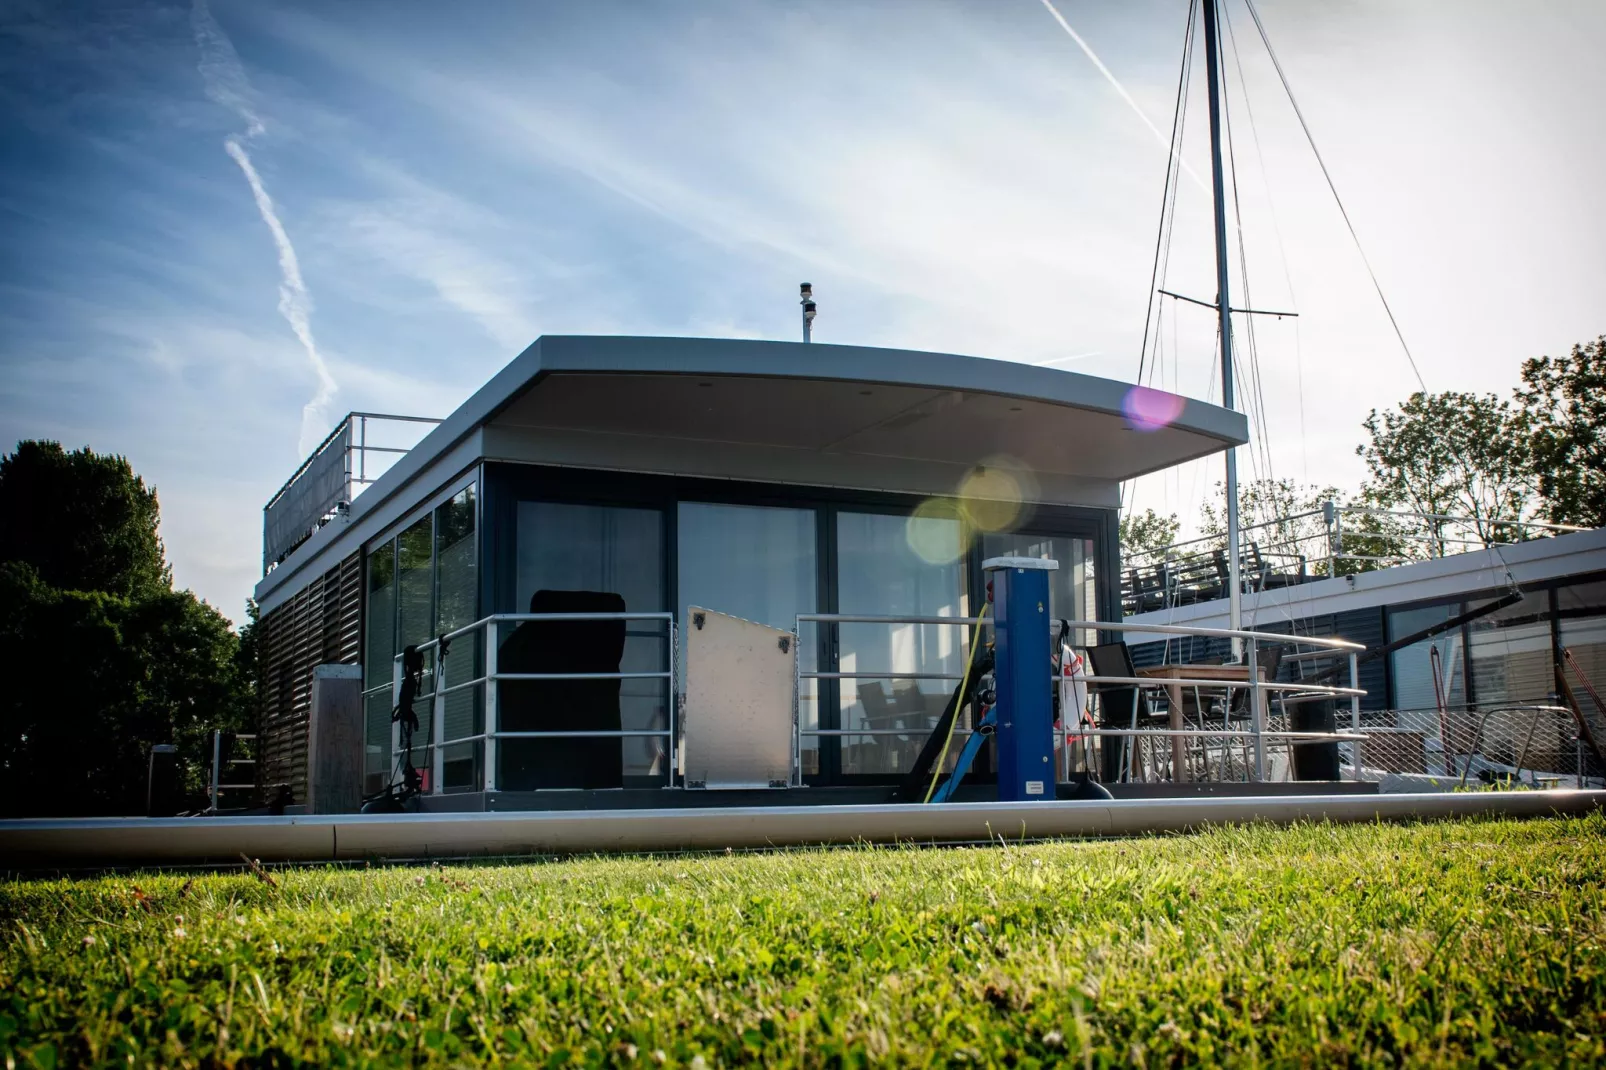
(469, 669)
(473, 674)
(1535, 745)
(1166, 763)
(224, 775)
(360, 449)
(1330, 541)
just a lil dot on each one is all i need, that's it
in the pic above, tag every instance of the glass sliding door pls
(760, 564)
(415, 624)
(457, 599)
(379, 647)
(891, 565)
(1072, 594)
(574, 558)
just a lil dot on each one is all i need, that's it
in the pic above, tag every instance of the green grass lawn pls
(1477, 941)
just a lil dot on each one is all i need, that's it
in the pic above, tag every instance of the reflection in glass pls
(1070, 587)
(379, 647)
(456, 606)
(881, 571)
(1511, 653)
(1412, 666)
(757, 563)
(415, 618)
(602, 557)
(1582, 626)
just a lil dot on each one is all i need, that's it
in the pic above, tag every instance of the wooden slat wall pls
(320, 625)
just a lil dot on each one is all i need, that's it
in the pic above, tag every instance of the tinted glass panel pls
(1413, 666)
(415, 618)
(1070, 587)
(456, 606)
(759, 564)
(1582, 608)
(595, 556)
(897, 566)
(379, 646)
(1511, 653)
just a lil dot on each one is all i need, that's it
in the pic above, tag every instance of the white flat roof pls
(783, 412)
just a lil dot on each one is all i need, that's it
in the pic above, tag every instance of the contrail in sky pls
(226, 84)
(1164, 141)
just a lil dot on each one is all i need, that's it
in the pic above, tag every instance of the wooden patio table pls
(1224, 673)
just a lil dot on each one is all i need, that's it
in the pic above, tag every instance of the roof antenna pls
(806, 294)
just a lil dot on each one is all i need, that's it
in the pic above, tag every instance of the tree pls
(106, 678)
(1563, 410)
(1147, 534)
(102, 674)
(84, 521)
(1452, 454)
(1291, 528)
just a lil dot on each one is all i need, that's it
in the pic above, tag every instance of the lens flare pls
(1150, 410)
(937, 532)
(991, 499)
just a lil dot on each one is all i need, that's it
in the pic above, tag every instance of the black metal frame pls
(1460, 602)
(504, 484)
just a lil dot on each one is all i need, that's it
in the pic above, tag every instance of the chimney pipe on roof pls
(806, 294)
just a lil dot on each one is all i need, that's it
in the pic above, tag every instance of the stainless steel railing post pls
(1355, 707)
(673, 713)
(437, 726)
(217, 746)
(492, 713)
(1257, 719)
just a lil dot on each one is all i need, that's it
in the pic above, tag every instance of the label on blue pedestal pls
(1034, 787)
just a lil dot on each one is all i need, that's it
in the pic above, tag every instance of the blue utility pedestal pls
(1023, 677)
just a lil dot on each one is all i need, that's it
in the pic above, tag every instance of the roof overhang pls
(853, 400)
(791, 409)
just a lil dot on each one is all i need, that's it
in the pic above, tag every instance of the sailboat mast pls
(1224, 310)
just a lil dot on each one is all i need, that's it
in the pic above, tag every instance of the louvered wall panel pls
(319, 625)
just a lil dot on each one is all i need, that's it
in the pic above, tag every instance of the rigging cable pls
(1257, 394)
(1153, 305)
(1272, 52)
(1311, 140)
(1282, 248)
(1246, 372)
(1167, 194)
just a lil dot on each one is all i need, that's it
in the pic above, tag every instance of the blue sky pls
(456, 179)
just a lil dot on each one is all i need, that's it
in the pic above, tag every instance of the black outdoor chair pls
(566, 646)
(1122, 706)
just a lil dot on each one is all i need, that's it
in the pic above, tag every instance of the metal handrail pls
(490, 679)
(214, 784)
(871, 618)
(1093, 625)
(1252, 684)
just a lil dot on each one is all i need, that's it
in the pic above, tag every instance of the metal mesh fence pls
(1536, 745)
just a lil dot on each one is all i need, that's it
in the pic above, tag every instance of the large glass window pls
(415, 622)
(1413, 667)
(586, 559)
(1071, 592)
(897, 566)
(421, 584)
(1582, 630)
(757, 563)
(456, 606)
(379, 648)
(1511, 653)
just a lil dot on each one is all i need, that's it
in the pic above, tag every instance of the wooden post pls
(335, 741)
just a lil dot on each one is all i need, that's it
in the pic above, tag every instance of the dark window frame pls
(503, 484)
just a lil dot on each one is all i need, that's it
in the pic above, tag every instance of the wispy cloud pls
(451, 245)
(227, 85)
(1087, 50)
